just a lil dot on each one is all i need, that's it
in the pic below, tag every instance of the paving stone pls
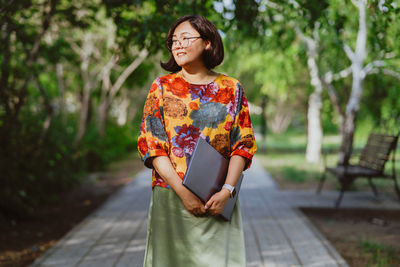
(276, 232)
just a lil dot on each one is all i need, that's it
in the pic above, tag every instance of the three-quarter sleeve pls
(242, 137)
(153, 139)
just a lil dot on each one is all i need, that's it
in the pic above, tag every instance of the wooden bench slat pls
(377, 143)
(370, 157)
(374, 159)
(379, 146)
(381, 138)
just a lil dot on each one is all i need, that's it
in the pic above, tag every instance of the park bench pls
(371, 165)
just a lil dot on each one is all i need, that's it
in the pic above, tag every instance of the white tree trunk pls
(314, 127)
(353, 105)
(314, 137)
(120, 106)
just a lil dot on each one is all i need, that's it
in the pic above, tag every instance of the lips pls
(180, 54)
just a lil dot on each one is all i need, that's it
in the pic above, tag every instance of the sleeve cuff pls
(248, 157)
(147, 159)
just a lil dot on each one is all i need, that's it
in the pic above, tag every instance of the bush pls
(36, 170)
(100, 151)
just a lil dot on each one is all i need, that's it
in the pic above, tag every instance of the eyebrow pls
(181, 33)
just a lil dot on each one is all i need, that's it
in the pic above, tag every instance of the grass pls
(284, 159)
(378, 254)
(294, 174)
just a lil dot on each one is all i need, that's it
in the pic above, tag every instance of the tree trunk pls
(280, 119)
(122, 115)
(83, 114)
(314, 128)
(347, 136)
(353, 105)
(61, 91)
(263, 122)
(136, 98)
(102, 116)
(32, 57)
(349, 123)
(49, 110)
(314, 134)
(87, 49)
(107, 99)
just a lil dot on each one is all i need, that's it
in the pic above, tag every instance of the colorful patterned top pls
(177, 112)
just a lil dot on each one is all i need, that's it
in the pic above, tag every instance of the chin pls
(181, 62)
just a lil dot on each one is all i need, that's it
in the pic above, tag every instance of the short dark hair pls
(207, 30)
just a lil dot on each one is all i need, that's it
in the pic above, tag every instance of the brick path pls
(276, 232)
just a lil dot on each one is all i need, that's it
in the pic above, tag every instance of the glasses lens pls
(185, 42)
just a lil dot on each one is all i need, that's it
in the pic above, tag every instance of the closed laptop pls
(206, 174)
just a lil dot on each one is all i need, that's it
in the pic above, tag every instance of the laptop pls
(206, 174)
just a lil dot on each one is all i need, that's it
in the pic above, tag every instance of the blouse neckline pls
(199, 84)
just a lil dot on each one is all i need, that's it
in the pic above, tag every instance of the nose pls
(178, 44)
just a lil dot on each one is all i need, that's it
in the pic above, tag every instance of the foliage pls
(379, 255)
(99, 152)
(39, 170)
(40, 106)
(35, 164)
(38, 156)
(146, 23)
(35, 169)
(278, 76)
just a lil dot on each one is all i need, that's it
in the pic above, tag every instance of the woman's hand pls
(191, 202)
(216, 204)
(164, 168)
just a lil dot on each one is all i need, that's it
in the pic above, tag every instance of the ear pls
(207, 44)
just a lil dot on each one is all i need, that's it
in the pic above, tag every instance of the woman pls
(189, 103)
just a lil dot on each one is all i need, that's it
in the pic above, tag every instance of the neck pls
(197, 75)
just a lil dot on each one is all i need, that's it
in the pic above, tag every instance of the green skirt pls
(177, 238)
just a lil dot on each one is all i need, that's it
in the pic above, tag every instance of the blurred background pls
(320, 76)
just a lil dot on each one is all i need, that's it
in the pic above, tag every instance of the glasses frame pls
(187, 39)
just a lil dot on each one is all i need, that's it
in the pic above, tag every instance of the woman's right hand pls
(164, 168)
(191, 202)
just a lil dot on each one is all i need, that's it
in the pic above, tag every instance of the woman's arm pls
(216, 204)
(163, 166)
(235, 169)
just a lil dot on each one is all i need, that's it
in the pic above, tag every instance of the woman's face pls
(191, 54)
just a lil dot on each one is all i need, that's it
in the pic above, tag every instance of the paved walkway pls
(276, 232)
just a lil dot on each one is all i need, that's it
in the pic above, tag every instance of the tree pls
(300, 17)
(360, 70)
(336, 16)
(110, 90)
(314, 129)
(26, 31)
(272, 74)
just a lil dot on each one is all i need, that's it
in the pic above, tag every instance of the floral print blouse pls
(177, 113)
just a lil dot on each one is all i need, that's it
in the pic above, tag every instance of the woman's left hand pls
(215, 205)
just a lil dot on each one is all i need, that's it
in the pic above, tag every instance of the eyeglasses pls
(185, 42)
